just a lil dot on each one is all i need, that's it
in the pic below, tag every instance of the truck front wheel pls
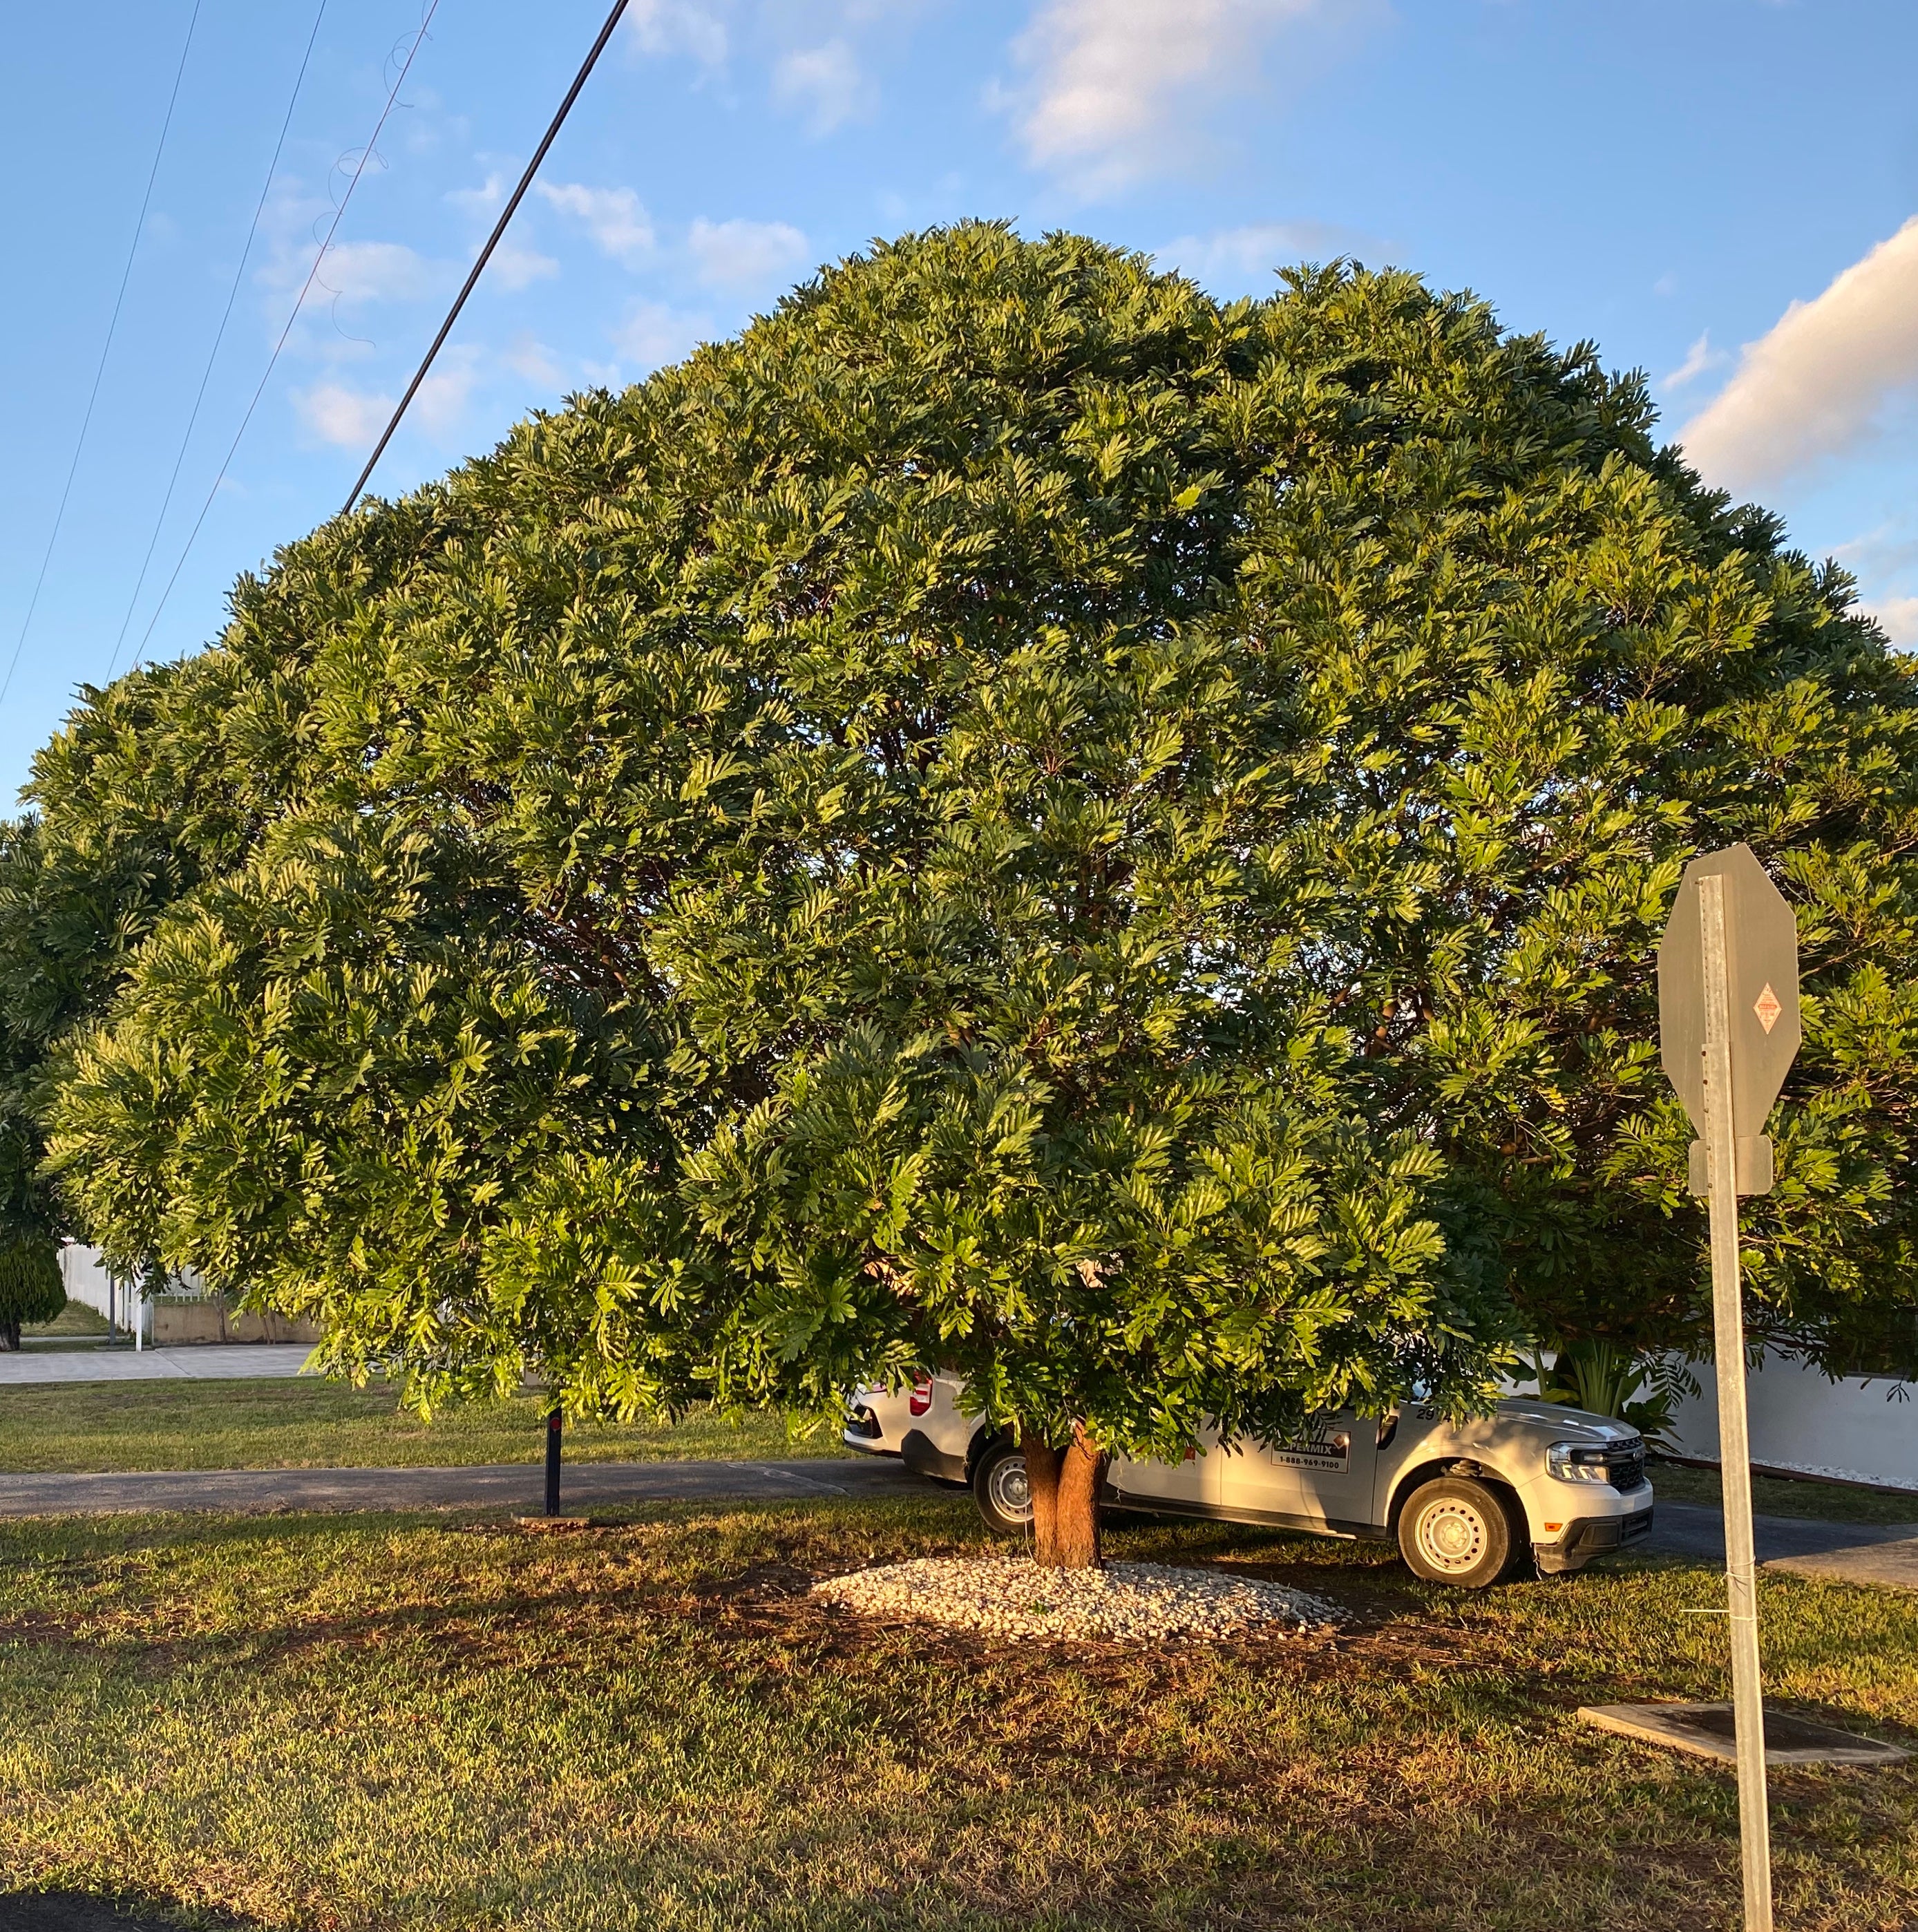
(1002, 1491)
(1458, 1530)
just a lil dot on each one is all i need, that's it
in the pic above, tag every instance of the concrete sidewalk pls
(214, 1362)
(519, 1487)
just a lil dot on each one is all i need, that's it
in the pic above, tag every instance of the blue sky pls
(1714, 190)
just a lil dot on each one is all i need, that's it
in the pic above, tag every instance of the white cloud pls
(653, 334)
(1116, 79)
(1701, 357)
(370, 271)
(1891, 548)
(441, 403)
(678, 27)
(483, 199)
(1816, 385)
(1235, 256)
(615, 217)
(338, 414)
(824, 81)
(353, 418)
(530, 357)
(1899, 616)
(516, 267)
(1885, 563)
(743, 255)
(513, 265)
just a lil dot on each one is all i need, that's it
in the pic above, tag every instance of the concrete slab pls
(1706, 1730)
(245, 1363)
(1890, 1565)
(518, 1488)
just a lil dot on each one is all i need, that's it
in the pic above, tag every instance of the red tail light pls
(920, 1400)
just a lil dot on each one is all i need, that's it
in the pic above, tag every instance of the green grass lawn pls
(293, 1425)
(75, 1324)
(1777, 1496)
(366, 1722)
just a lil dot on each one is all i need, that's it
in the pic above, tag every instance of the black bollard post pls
(553, 1425)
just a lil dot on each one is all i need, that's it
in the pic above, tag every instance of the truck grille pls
(1626, 1462)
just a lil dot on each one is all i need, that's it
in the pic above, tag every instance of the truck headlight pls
(1578, 1462)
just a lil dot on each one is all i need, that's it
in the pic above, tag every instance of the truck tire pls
(998, 1488)
(1459, 1531)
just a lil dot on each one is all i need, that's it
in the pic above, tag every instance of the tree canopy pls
(1013, 815)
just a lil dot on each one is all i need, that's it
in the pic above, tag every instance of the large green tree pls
(1537, 667)
(1012, 816)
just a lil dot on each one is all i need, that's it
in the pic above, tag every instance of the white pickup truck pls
(1466, 1502)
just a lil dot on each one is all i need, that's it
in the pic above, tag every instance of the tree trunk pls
(10, 1335)
(1064, 1484)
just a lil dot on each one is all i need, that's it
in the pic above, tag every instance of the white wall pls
(86, 1280)
(1858, 1431)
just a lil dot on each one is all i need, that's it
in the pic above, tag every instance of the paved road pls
(243, 1362)
(1848, 1552)
(519, 1486)
(1887, 1555)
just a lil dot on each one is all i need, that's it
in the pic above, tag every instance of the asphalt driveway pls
(1886, 1554)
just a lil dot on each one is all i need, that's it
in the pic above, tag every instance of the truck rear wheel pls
(1002, 1490)
(1458, 1530)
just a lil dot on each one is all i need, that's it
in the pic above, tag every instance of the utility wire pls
(106, 349)
(306, 289)
(218, 336)
(486, 253)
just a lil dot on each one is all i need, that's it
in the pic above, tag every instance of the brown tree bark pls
(1065, 1485)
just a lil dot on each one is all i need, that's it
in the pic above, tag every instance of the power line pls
(486, 253)
(306, 289)
(218, 336)
(106, 349)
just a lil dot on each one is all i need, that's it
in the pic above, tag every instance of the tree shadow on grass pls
(77, 1912)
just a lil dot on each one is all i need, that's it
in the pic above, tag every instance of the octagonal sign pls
(1761, 960)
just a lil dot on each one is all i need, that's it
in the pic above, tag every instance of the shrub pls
(31, 1289)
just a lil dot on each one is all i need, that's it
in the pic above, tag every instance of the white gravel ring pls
(1012, 1597)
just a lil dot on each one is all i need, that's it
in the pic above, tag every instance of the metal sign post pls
(1728, 1031)
(1741, 1561)
(555, 1420)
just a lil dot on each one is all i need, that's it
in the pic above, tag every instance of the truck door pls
(1191, 1483)
(1325, 1474)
